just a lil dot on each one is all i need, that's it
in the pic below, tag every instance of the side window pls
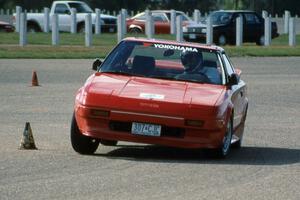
(225, 18)
(251, 18)
(228, 65)
(236, 16)
(184, 18)
(61, 9)
(157, 17)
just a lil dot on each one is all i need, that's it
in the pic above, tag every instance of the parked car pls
(224, 28)
(161, 92)
(35, 21)
(161, 20)
(6, 27)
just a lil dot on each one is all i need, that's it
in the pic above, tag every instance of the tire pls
(222, 40)
(224, 150)
(31, 28)
(81, 28)
(261, 40)
(108, 142)
(135, 31)
(237, 144)
(81, 143)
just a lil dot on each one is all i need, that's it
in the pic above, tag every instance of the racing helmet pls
(191, 60)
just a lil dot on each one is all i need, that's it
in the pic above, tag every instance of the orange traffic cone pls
(27, 141)
(34, 81)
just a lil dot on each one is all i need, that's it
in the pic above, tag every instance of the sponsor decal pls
(152, 96)
(146, 44)
(150, 105)
(175, 47)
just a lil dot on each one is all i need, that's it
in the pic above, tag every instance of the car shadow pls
(244, 156)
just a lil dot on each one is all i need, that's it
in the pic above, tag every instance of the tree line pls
(272, 6)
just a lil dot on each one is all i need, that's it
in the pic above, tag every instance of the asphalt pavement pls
(266, 167)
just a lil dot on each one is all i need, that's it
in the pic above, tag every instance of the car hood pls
(103, 16)
(151, 95)
(4, 23)
(201, 25)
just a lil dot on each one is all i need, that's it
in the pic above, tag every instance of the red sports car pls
(161, 92)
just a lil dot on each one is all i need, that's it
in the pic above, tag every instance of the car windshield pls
(165, 61)
(219, 18)
(81, 7)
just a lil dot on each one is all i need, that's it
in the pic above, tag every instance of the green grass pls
(72, 46)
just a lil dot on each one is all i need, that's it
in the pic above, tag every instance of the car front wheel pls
(32, 28)
(81, 143)
(261, 40)
(135, 31)
(223, 150)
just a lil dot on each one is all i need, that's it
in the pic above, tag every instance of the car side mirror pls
(97, 62)
(233, 79)
(67, 12)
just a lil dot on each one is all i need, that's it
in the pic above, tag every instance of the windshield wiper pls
(163, 77)
(123, 73)
(189, 80)
(118, 72)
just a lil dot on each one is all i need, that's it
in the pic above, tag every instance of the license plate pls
(192, 36)
(111, 30)
(145, 129)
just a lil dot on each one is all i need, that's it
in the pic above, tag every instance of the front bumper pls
(199, 37)
(174, 131)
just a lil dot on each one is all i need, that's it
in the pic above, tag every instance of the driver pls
(195, 70)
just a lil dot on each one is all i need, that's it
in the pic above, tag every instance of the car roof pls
(166, 11)
(59, 1)
(235, 11)
(172, 42)
(163, 11)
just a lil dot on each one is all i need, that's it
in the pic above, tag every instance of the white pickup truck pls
(35, 21)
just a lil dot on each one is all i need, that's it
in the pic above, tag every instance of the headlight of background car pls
(184, 29)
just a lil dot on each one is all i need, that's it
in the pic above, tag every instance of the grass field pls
(72, 46)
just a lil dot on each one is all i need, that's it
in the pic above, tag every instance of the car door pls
(161, 23)
(237, 93)
(253, 27)
(225, 22)
(63, 12)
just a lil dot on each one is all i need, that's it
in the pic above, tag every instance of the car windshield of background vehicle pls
(219, 18)
(81, 7)
(164, 61)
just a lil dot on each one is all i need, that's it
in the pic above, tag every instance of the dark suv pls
(224, 28)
